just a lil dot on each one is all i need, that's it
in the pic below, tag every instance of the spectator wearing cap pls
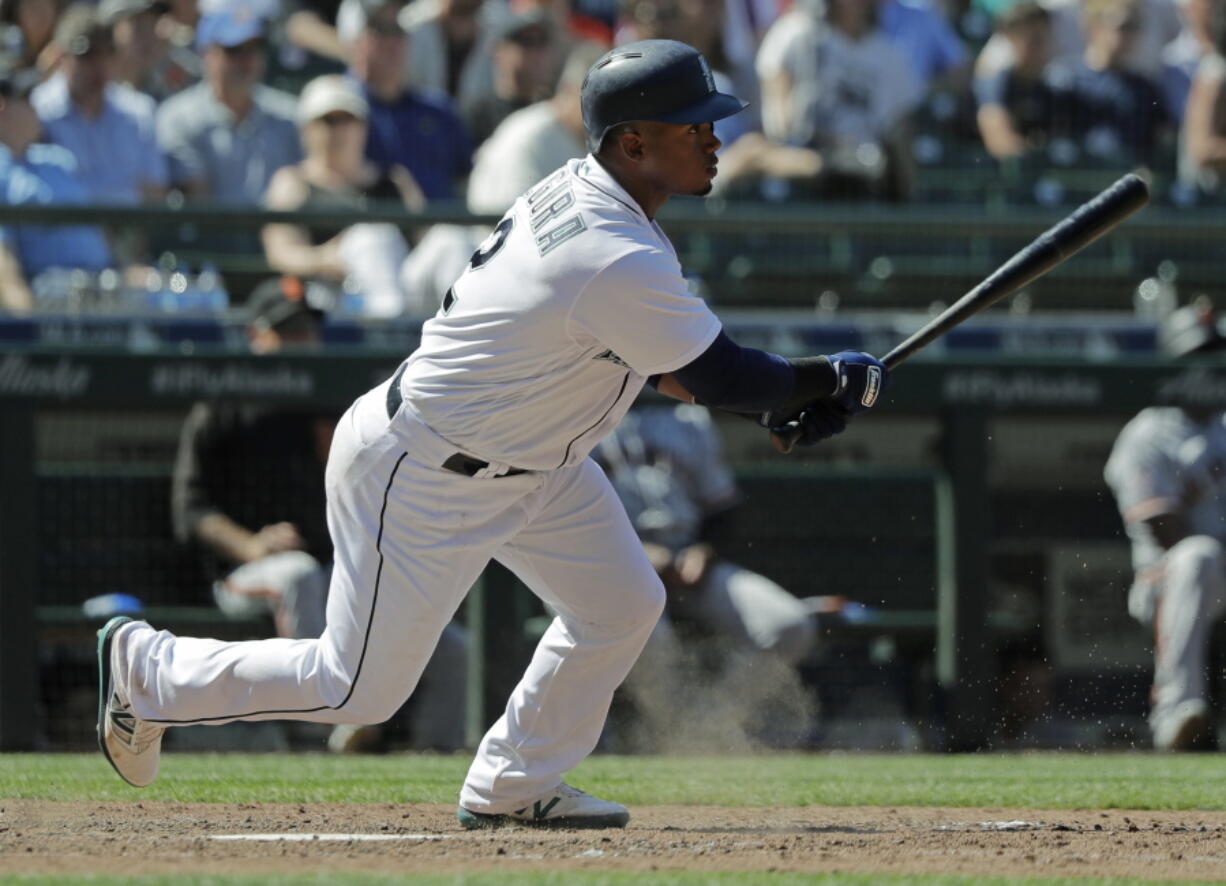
(335, 175)
(532, 142)
(108, 127)
(37, 174)
(145, 58)
(525, 55)
(226, 136)
(410, 128)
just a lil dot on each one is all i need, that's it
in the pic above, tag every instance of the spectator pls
(315, 27)
(1202, 157)
(145, 58)
(1121, 114)
(1159, 25)
(667, 466)
(1165, 473)
(449, 45)
(533, 142)
(1183, 55)
(524, 71)
(35, 21)
(108, 127)
(335, 174)
(929, 42)
(37, 174)
(407, 127)
(834, 83)
(1024, 106)
(226, 136)
(248, 488)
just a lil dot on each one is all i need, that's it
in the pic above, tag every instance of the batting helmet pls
(662, 80)
(1191, 329)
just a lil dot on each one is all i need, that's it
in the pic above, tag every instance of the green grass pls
(1057, 781)
(596, 878)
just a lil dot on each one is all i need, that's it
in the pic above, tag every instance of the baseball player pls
(477, 449)
(1168, 470)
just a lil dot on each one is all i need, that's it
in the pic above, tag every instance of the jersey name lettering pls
(559, 234)
(546, 203)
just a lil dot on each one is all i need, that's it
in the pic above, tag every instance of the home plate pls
(335, 838)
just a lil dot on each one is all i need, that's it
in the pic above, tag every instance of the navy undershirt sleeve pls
(728, 376)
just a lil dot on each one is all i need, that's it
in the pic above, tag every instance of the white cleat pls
(131, 745)
(563, 807)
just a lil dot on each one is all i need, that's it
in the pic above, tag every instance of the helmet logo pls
(706, 73)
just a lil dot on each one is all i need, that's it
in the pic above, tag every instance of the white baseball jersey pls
(1164, 462)
(549, 334)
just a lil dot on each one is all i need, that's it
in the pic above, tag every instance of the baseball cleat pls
(563, 807)
(130, 745)
(1187, 728)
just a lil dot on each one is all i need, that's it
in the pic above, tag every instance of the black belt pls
(458, 462)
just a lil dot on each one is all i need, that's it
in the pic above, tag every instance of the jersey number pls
(494, 242)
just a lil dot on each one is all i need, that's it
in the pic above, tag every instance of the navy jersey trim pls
(616, 400)
(370, 621)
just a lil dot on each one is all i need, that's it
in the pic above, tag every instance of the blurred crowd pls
(323, 104)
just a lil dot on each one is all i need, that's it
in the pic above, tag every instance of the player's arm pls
(821, 391)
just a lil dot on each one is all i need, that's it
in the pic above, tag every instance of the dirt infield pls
(109, 838)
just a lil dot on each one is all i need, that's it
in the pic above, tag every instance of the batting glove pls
(862, 379)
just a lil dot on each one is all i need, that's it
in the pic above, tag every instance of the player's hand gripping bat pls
(1056, 245)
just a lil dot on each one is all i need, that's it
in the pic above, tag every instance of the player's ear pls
(626, 142)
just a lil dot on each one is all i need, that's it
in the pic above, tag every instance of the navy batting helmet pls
(662, 80)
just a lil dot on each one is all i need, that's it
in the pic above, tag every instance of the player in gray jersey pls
(1168, 472)
(477, 449)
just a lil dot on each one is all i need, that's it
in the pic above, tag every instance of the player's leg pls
(409, 541)
(1193, 595)
(581, 556)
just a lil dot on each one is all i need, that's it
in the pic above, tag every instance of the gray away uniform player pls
(1167, 470)
(477, 449)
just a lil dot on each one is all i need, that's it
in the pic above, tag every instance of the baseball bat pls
(1054, 246)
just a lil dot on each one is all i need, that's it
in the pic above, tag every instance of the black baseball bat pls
(1054, 246)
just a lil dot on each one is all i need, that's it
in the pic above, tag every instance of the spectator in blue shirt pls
(927, 39)
(226, 136)
(106, 126)
(37, 174)
(416, 130)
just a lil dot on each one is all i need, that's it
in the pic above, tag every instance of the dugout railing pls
(947, 416)
(757, 255)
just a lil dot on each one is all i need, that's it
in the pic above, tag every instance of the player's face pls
(680, 157)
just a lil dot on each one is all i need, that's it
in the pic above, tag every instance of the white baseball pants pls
(410, 538)
(1191, 599)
